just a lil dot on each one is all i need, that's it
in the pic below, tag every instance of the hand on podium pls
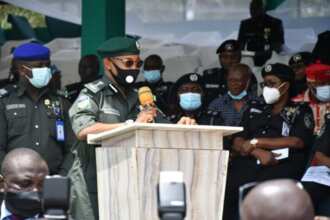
(187, 121)
(147, 116)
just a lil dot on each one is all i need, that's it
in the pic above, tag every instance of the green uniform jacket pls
(99, 101)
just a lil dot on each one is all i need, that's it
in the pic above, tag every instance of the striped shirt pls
(225, 105)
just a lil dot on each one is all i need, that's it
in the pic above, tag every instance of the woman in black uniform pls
(187, 99)
(276, 139)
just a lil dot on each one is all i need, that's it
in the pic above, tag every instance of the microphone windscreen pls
(145, 96)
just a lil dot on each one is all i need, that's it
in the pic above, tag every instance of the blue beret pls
(31, 51)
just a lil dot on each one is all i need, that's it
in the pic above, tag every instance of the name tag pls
(60, 130)
(212, 86)
(111, 111)
(255, 110)
(15, 106)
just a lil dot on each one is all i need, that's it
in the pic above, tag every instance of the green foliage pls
(35, 19)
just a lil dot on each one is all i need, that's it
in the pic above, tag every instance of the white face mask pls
(271, 95)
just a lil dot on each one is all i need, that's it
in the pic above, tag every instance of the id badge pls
(285, 129)
(59, 130)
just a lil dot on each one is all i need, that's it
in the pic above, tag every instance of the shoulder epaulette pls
(211, 71)
(3, 92)
(62, 93)
(95, 86)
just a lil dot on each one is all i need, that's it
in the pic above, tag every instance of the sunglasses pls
(128, 62)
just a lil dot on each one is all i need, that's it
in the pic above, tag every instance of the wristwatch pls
(254, 142)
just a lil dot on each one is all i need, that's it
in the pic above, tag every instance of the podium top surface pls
(97, 138)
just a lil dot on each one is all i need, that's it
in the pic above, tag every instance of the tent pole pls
(101, 19)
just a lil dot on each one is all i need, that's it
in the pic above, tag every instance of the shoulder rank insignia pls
(96, 86)
(308, 120)
(3, 92)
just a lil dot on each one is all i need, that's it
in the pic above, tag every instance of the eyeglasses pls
(128, 62)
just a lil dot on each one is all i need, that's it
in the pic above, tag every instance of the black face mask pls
(126, 78)
(23, 204)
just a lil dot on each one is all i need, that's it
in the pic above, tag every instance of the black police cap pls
(229, 46)
(189, 78)
(305, 58)
(282, 71)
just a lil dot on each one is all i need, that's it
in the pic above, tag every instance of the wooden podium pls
(131, 158)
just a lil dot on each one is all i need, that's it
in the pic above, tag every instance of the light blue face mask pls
(152, 76)
(190, 101)
(40, 77)
(239, 96)
(323, 93)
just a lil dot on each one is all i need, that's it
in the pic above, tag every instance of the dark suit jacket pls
(253, 32)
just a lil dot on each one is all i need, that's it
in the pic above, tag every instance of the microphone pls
(146, 98)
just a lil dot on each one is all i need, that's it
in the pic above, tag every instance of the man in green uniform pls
(32, 115)
(109, 102)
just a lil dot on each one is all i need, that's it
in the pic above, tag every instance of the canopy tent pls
(192, 43)
(61, 9)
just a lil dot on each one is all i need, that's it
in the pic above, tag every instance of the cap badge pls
(297, 58)
(47, 102)
(138, 45)
(193, 77)
(229, 47)
(268, 68)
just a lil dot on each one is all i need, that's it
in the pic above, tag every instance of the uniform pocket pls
(109, 115)
(17, 121)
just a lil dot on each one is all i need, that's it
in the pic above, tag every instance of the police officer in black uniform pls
(153, 69)
(215, 82)
(88, 70)
(298, 62)
(188, 100)
(261, 33)
(34, 116)
(276, 139)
